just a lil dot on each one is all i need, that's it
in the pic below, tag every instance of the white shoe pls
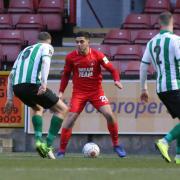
(50, 154)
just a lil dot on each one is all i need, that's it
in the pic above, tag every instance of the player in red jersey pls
(85, 64)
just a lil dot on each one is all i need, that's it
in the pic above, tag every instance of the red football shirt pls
(86, 71)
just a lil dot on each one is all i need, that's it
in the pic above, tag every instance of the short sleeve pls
(47, 50)
(146, 56)
(177, 48)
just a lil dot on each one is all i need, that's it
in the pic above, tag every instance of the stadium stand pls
(132, 68)
(10, 51)
(30, 36)
(1, 57)
(36, 4)
(156, 6)
(6, 21)
(103, 48)
(118, 36)
(1, 6)
(11, 37)
(51, 6)
(127, 52)
(21, 6)
(30, 21)
(137, 21)
(143, 36)
(52, 22)
(177, 7)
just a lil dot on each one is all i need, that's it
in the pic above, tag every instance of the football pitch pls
(29, 166)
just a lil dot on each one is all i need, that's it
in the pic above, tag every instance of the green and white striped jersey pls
(163, 50)
(27, 67)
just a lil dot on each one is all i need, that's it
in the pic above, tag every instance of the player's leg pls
(177, 157)
(26, 92)
(112, 126)
(59, 112)
(37, 122)
(76, 106)
(51, 101)
(172, 102)
(100, 102)
(66, 133)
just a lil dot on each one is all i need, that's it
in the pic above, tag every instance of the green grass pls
(26, 166)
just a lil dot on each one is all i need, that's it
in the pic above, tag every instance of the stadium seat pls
(15, 18)
(11, 51)
(157, 6)
(177, 7)
(5, 21)
(143, 36)
(21, 6)
(128, 52)
(103, 48)
(52, 22)
(1, 6)
(30, 21)
(118, 36)
(176, 21)
(177, 32)
(30, 36)
(133, 68)
(154, 20)
(137, 21)
(11, 37)
(51, 6)
(1, 58)
(155, 23)
(115, 65)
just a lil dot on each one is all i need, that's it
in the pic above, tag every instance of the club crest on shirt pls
(92, 63)
(50, 52)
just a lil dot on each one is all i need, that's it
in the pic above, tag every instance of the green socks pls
(173, 134)
(37, 124)
(54, 129)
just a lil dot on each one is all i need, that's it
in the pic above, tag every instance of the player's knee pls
(64, 111)
(109, 117)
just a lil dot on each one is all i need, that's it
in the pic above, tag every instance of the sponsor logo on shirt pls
(86, 72)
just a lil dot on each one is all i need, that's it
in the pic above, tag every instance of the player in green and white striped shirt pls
(163, 51)
(28, 81)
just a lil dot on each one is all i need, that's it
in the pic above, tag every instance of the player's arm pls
(10, 94)
(46, 60)
(115, 74)
(177, 48)
(65, 77)
(143, 75)
(46, 55)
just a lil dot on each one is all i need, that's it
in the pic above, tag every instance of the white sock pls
(177, 156)
(164, 141)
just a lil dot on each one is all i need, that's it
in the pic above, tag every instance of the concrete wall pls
(111, 13)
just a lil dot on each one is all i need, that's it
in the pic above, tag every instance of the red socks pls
(65, 136)
(113, 129)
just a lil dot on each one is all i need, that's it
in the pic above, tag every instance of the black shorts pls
(27, 93)
(171, 100)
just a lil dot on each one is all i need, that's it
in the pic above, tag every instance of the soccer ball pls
(91, 150)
